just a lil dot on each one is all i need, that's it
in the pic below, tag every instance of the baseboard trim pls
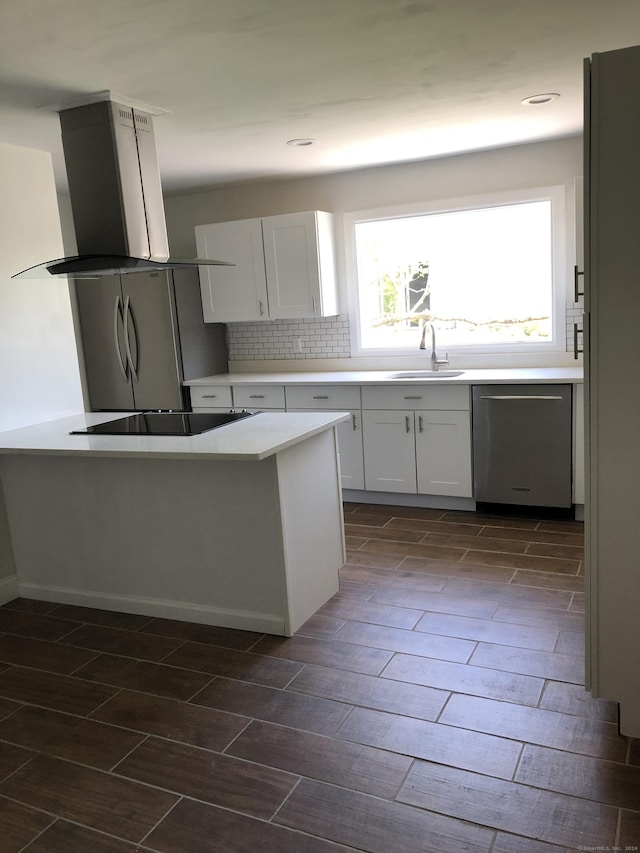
(264, 623)
(404, 499)
(8, 589)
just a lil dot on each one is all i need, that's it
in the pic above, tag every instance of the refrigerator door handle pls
(131, 332)
(118, 320)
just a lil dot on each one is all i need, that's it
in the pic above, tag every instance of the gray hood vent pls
(116, 195)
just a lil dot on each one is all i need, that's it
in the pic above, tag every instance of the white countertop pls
(516, 375)
(250, 439)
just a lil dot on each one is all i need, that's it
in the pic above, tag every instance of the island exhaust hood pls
(116, 195)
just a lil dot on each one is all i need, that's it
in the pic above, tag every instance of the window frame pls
(559, 275)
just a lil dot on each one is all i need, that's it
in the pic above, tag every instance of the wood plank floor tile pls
(392, 534)
(362, 517)
(334, 652)
(285, 708)
(563, 552)
(409, 549)
(216, 660)
(320, 627)
(373, 612)
(506, 843)
(30, 605)
(510, 807)
(370, 692)
(574, 699)
(208, 776)
(156, 678)
(403, 511)
(442, 568)
(68, 737)
(20, 824)
(629, 833)
(529, 662)
(356, 590)
(95, 799)
(39, 654)
(351, 765)
(403, 595)
(230, 638)
(508, 594)
(536, 726)
(65, 837)
(12, 757)
(577, 603)
(547, 580)
(580, 776)
(376, 825)
(507, 546)
(132, 644)
(634, 748)
(493, 521)
(371, 560)
(570, 643)
(501, 633)
(450, 527)
(548, 525)
(537, 536)
(411, 642)
(195, 828)
(522, 561)
(57, 692)
(461, 678)
(461, 748)
(167, 718)
(36, 626)
(383, 578)
(354, 543)
(107, 618)
(563, 620)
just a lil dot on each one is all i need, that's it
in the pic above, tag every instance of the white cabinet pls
(337, 398)
(211, 397)
(284, 268)
(417, 440)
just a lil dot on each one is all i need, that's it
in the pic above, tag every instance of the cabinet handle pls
(407, 423)
(208, 396)
(261, 307)
(354, 422)
(256, 396)
(420, 423)
(315, 305)
(320, 396)
(413, 397)
(576, 332)
(577, 293)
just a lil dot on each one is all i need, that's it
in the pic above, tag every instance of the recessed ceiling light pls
(300, 143)
(538, 100)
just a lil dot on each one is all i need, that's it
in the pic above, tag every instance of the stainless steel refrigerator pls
(143, 335)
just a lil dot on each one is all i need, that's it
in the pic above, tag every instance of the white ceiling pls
(372, 81)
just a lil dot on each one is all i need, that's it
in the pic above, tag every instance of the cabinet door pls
(389, 451)
(349, 448)
(443, 453)
(292, 254)
(233, 294)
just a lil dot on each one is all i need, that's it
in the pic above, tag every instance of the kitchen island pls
(238, 527)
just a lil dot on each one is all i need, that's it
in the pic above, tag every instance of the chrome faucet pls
(436, 362)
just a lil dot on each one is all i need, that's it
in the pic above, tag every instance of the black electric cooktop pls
(164, 423)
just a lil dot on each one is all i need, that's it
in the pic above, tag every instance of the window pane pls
(483, 276)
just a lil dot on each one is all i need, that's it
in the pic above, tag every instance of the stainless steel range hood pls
(116, 195)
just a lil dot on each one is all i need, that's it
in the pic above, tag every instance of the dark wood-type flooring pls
(434, 704)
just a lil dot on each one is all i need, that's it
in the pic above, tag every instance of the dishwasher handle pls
(521, 397)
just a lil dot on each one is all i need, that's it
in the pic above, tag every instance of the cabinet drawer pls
(416, 396)
(336, 398)
(258, 396)
(211, 396)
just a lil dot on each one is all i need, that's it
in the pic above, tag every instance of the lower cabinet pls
(417, 452)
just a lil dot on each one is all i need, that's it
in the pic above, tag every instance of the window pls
(483, 271)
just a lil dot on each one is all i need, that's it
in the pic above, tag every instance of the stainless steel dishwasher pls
(522, 445)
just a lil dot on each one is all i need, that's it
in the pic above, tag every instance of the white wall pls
(39, 378)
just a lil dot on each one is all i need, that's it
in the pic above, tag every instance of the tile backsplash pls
(327, 337)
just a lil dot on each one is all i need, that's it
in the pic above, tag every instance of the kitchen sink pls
(426, 374)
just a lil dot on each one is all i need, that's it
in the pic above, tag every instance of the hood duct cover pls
(116, 195)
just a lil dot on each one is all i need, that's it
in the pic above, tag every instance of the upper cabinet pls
(284, 268)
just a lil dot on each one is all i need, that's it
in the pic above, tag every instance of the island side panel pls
(198, 540)
(311, 506)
